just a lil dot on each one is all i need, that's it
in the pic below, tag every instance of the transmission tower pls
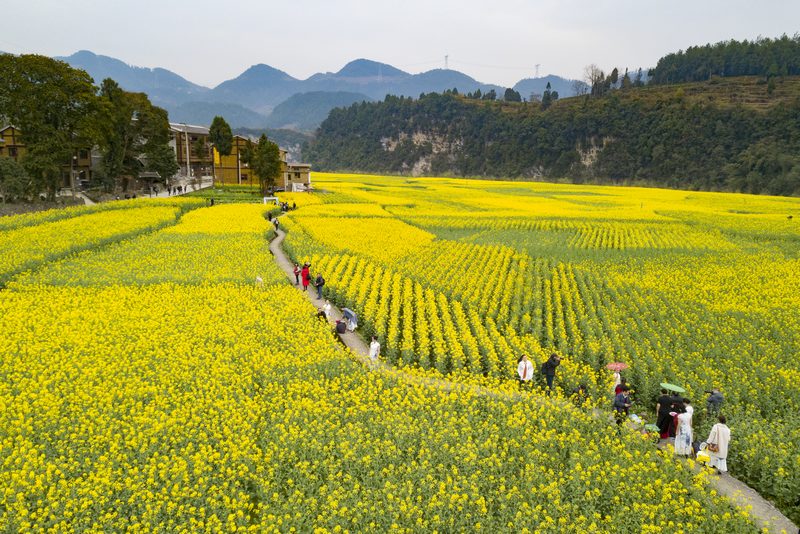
(537, 70)
(446, 57)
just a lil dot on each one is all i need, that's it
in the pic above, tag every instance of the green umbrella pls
(672, 387)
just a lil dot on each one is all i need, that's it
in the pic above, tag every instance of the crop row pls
(29, 246)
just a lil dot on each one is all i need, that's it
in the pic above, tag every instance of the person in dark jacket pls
(549, 370)
(622, 403)
(663, 418)
(318, 283)
(714, 401)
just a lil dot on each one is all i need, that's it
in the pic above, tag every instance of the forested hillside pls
(726, 134)
(763, 57)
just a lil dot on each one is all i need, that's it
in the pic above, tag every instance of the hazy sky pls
(497, 41)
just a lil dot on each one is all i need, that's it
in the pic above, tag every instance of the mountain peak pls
(264, 73)
(365, 68)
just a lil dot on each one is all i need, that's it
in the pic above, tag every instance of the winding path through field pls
(763, 512)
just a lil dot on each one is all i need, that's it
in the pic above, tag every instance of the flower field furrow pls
(174, 382)
(28, 246)
(698, 289)
(225, 243)
(41, 217)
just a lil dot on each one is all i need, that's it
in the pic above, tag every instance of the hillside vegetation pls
(762, 57)
(733, 134)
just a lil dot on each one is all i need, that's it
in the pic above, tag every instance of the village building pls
(77, 171)
(233, 169)
(192, 150)
(297, 176)
(195, 156)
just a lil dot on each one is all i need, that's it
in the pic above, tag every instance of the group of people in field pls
(674, 419)
(674, 413)
(547, 369)
(302, 275)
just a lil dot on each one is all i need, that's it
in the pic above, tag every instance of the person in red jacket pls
(306, 276)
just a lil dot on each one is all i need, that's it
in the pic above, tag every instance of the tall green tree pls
(266, 163)
(161, 159)
(133, 132)
(549, 96)
(14, 181)
(221, 138)
(512, 96)
(56, 109)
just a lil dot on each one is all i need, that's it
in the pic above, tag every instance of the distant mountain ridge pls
(248, 99)
(305, 111)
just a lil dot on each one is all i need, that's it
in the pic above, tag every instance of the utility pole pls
(186, 142)
(238, 166)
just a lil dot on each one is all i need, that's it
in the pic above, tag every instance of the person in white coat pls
(524, 369)
(374, 350)
(718, 440)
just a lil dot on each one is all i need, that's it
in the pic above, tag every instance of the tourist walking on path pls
(318, 283)
(305, 276)
(374, 350)
(718, 440)
(549, 370)
(296, 272)
(524, 369)
(275, 222)
(683, 434)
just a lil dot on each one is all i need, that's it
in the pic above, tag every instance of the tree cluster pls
(614, 138)
(59, 111)
(762, 57)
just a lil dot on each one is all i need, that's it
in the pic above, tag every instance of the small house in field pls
(233, 168)
(297, 176)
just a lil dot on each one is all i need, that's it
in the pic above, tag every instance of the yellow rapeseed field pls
(151, 384)
(700, 289)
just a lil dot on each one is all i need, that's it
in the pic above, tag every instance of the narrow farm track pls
(764, 514)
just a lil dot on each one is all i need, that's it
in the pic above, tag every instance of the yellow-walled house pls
(10, 144)
(231, 169)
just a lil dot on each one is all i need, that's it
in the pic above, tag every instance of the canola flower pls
(695, 288)
(226, 243)
(197, 405)
(27, 246)
(30, 219)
